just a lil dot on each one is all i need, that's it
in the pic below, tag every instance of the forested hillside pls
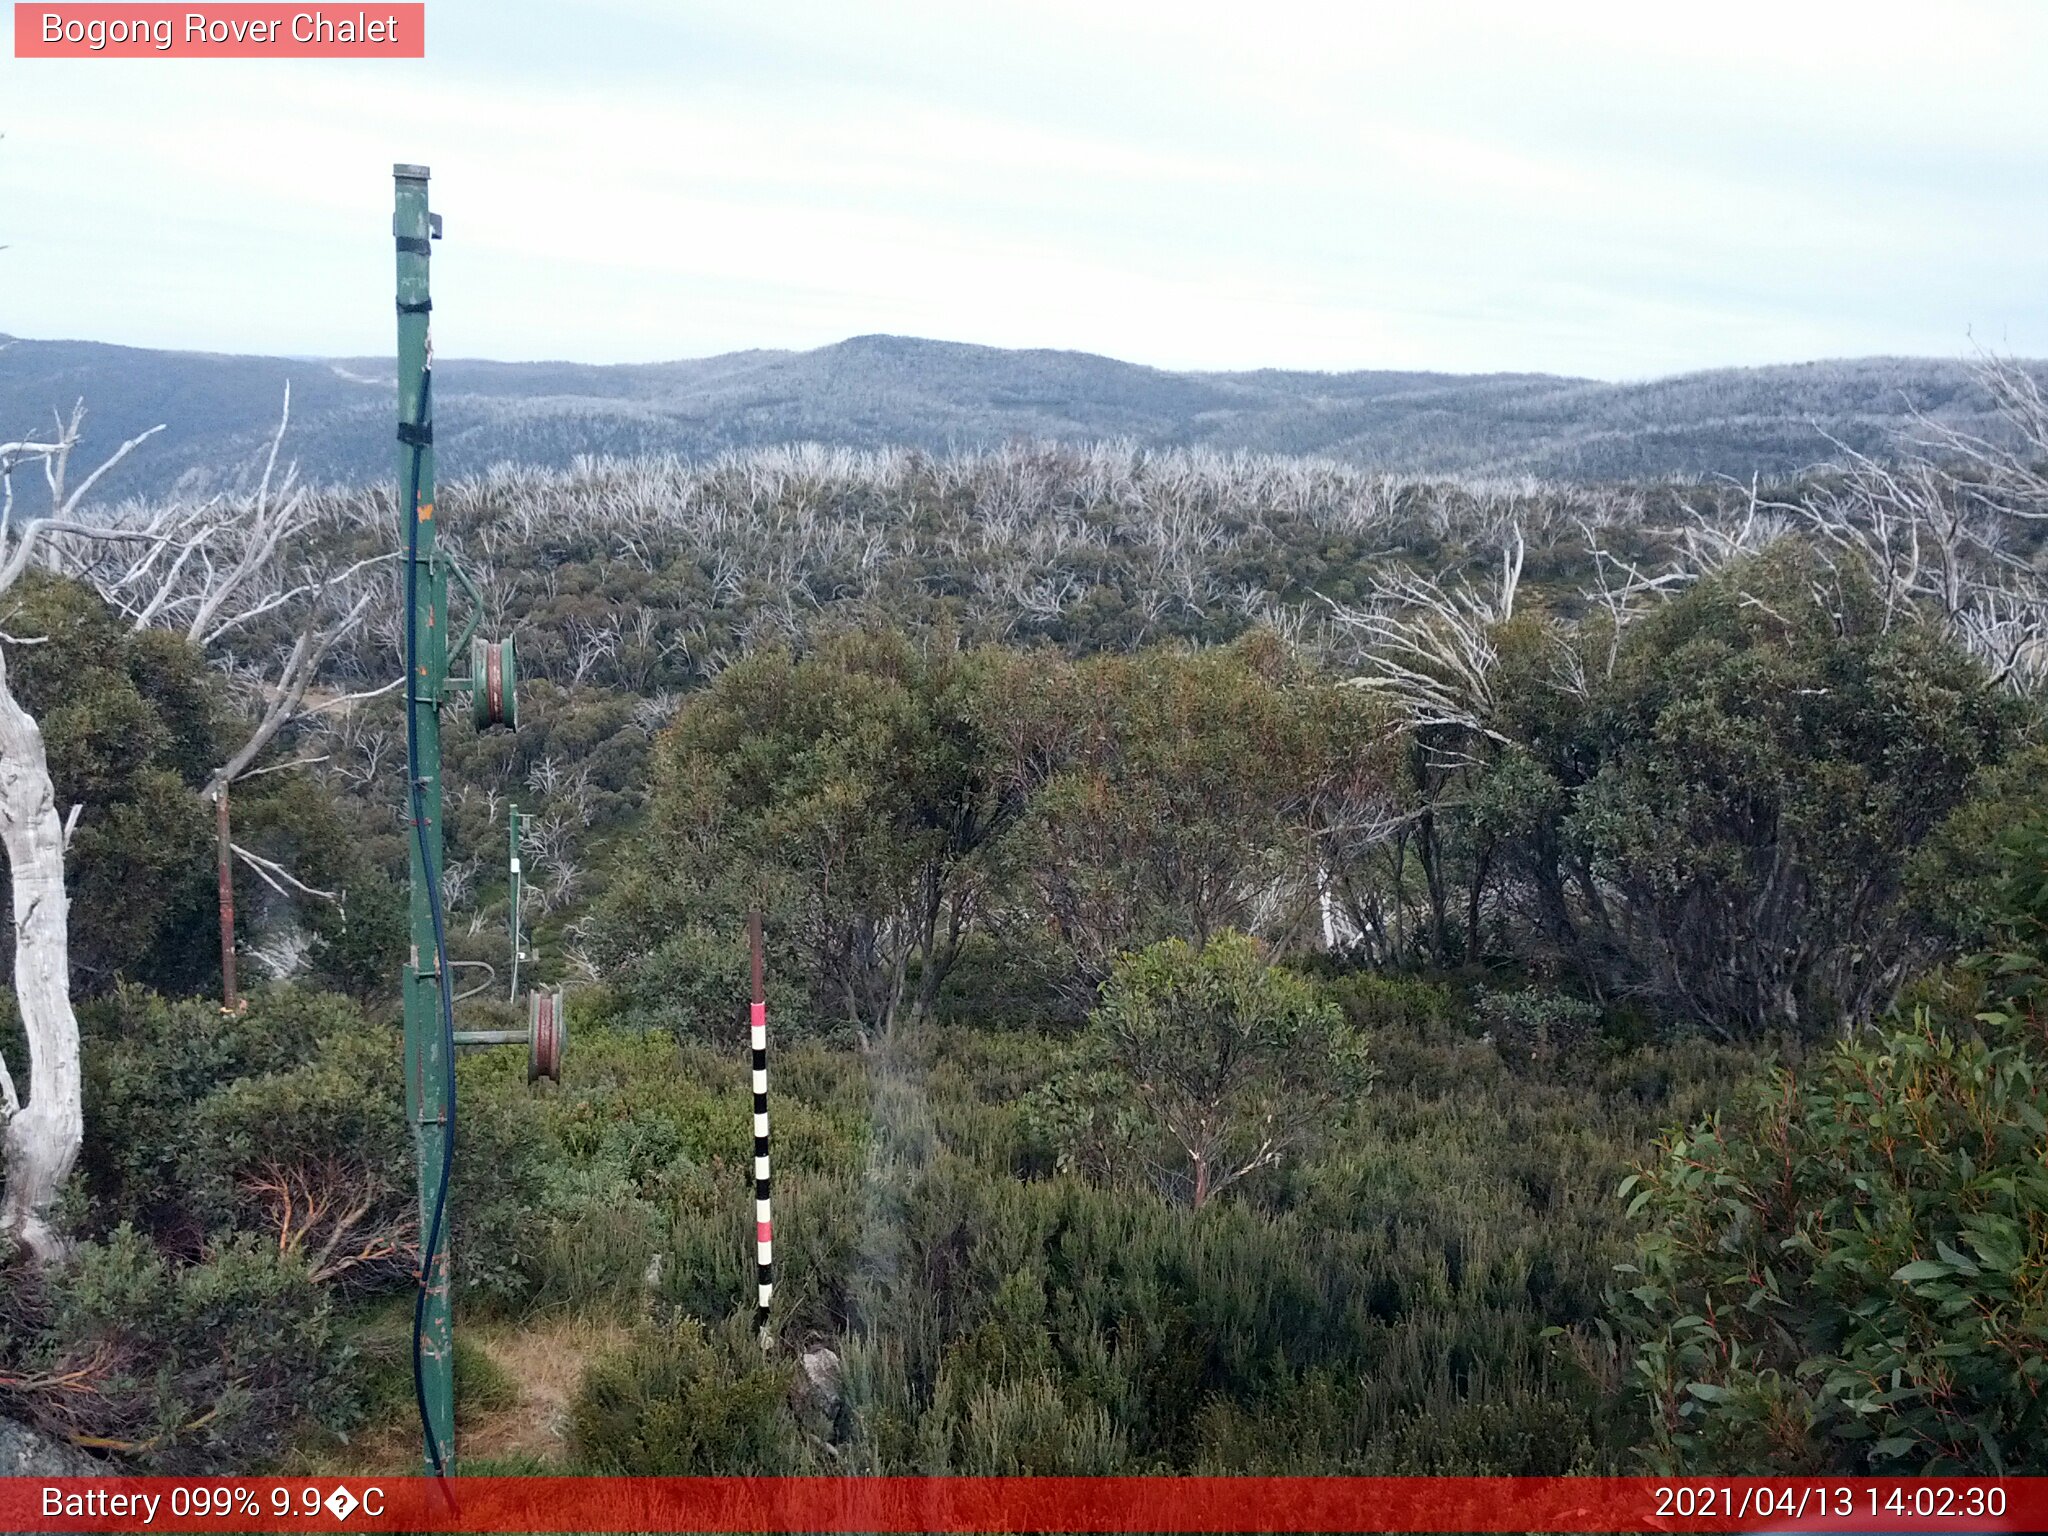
(1274, 966)
(892, 391)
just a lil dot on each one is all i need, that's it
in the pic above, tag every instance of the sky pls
(1616, 191)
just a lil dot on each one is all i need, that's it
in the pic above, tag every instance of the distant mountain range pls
(872, 391)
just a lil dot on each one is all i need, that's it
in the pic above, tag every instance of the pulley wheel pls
(494, 684)
(547, 1032)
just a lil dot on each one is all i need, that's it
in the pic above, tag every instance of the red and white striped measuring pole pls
(764, 1222)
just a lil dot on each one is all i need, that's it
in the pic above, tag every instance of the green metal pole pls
(425, 1065)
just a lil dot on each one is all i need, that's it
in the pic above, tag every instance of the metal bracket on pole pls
(476, 608)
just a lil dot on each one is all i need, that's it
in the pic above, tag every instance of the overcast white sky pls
(1614, 190)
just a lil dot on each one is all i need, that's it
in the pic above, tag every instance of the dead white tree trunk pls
(43, 1132)
(43, 1135)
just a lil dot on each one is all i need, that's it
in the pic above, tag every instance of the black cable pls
(418, 439)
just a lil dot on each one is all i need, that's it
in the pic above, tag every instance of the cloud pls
(1618, 190)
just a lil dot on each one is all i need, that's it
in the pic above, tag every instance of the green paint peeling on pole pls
(426, 1066)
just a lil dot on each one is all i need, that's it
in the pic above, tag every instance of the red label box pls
(990, 1506)
(104, 30)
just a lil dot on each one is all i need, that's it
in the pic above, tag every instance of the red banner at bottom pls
(1001, 1504)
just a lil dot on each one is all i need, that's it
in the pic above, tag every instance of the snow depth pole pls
(429, 1042)
(764, 1238)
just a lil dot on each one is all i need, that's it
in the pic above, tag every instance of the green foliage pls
(151, 1064)
(179, 1366)
(892, 805)
(363, 937)
(1407, 1006)
(1391, 1279)
(134, 723)
(1962, 877)
(317, 1152)
(1848, 1270)
(1391, 1285)
(1378, 1303)
(695, 980)
(358, 941)
(853, 794)
(681, 1403)
(1721, 821)
(129, 723)
(1714, 819)
(1533, 1026)
(1179, 788)
(288, 1120)
(1029, 1427)
(1203, 1067)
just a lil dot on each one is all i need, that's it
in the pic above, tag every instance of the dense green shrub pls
(1202, 1067)
(180, 1367)
(696, 980)
(319, 1155)
(898, 810)
(129, 722)
(1848, 1269)
(288, 1120)
(683, 1403)
(1729, 807)
(1960, 878)
(1396, 1275)
(1028, 1426)
(1419, 1010)
(1410, 1267)
(1178, 793)
(856, 793)
(150, 1064)
(1397, 1279)
(1536, 1027)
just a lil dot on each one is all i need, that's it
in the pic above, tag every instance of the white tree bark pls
(43, 1134)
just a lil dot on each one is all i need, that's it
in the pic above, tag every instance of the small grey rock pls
(822, 1370)
(25, 1453)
